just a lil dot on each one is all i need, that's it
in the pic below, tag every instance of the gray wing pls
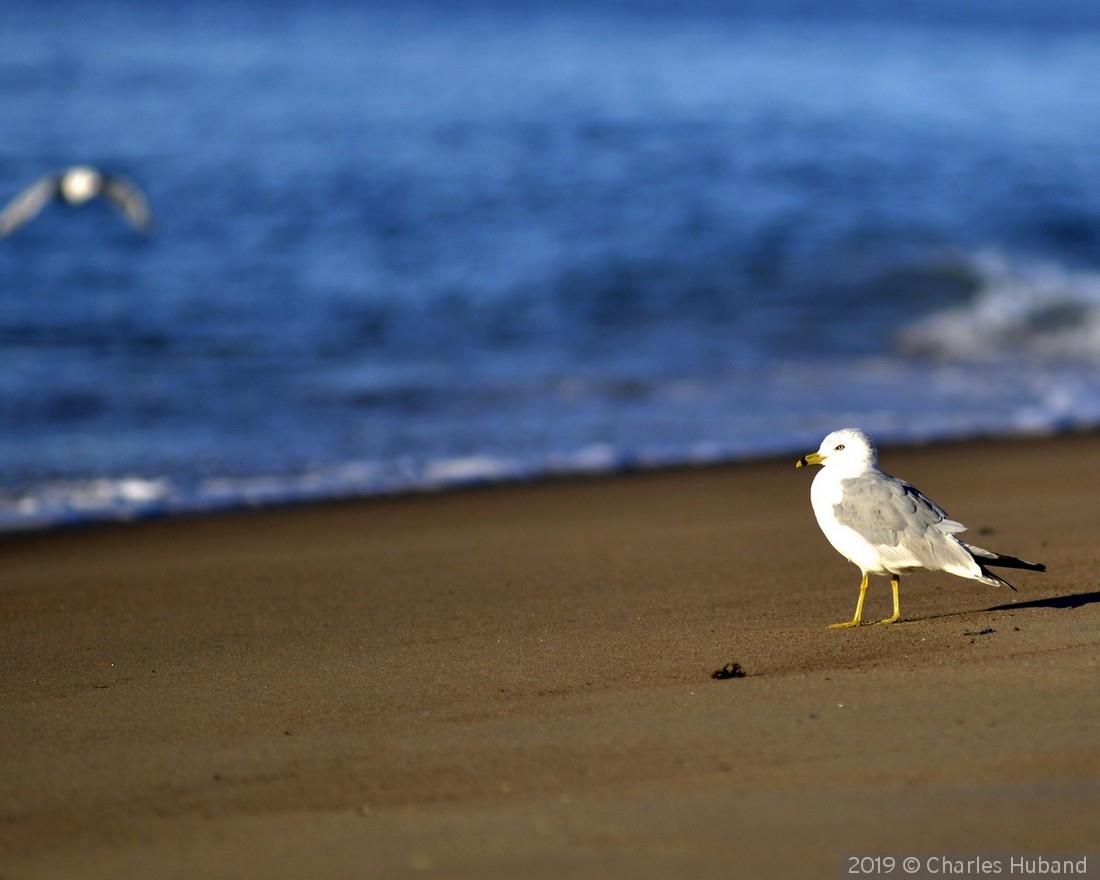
(882, 508)
(124, 195)
(908, 531)
(25, 206)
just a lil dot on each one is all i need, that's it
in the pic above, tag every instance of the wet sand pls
(516, 681)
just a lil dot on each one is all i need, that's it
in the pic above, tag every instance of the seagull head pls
(79, 184)
(848, 449)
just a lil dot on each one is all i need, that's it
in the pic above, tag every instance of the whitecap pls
(1020, 310)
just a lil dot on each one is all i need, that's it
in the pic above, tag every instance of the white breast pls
(825, 494)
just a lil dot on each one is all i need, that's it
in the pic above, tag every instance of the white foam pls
(1021, 309)
(470, 469)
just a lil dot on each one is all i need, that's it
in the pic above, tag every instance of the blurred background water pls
(407, 245)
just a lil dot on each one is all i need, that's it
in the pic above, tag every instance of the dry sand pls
(516, 682)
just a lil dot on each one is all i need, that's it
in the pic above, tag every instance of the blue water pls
(407, 245)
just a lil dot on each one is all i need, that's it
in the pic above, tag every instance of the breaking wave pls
(1018, 310)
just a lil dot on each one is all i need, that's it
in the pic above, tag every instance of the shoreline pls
(517, 679)
(160, 511)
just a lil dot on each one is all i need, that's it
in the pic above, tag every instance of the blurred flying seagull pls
(75, 186)
(886, 526)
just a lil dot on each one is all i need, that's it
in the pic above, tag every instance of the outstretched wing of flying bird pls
(124, 195)
(25, 206)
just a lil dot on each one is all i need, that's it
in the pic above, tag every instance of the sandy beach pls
(516, 682)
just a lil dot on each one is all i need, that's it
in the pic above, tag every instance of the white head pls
(848, 450)
(80, 184)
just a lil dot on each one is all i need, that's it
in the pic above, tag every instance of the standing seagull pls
(75, 186)
(885, 526)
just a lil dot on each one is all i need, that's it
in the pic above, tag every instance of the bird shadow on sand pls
(1077, 600)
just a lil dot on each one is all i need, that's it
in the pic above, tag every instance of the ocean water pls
(402, 246)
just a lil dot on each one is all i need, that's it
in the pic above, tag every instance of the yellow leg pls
(895, 582)
(855, 621)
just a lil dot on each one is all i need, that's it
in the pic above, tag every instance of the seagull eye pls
(839, 447)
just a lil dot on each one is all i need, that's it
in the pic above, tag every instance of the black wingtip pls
(996, 577)
(1012, 562)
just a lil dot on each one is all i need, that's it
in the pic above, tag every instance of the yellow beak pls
(812, 458)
